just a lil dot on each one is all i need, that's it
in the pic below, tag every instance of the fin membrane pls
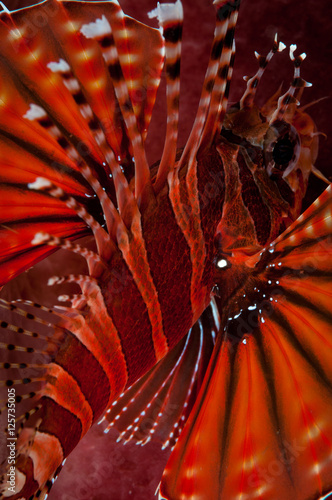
(261, 425)
(75, 105)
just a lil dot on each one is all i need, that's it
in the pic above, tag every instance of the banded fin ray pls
(261, 426)
(213, 101)
(158, 405)
(60, 114)
(42, 351)
(170, 18)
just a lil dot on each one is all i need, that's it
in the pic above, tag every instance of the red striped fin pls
(52, 391)
(112, 36)
(28, 59)
(170, 17)
(158, 405)
(84, 74)
(212, 105)
(37, 114)
(28, 151)
(247, 100)
(140, 51)
(285, 101)
(60, 119)
(74, 86)
(186, 206)
(261, 427)
(104, 243)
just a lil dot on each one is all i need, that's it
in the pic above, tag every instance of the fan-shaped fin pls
(61, 119)
(25, 354)
(140, 49)
(27, 60)
(261, 426)
(118, 46)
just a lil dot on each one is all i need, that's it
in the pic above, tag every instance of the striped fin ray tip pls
(295, 89)
(247, 100)
(167, 11)
(170, 18)
(95, 264)
(104, 242)
(214, 96)
(281, 45)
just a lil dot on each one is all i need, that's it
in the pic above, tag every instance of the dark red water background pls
(100, 469)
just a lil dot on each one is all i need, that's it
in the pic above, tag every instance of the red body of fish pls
(215, 210)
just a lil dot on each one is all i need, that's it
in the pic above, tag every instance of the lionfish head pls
(276, 147)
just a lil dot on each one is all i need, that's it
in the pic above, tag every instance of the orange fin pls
(261, 426)
(73, 116)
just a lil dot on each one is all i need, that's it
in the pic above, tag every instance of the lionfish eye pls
(283, 151)
(281, 147)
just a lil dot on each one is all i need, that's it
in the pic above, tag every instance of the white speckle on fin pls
(39, 238)
(167, 12)
(52, 281)
(98, 28)
(72, 85)
(40, 183)
(59, 67)
(63, 298)
(34, 112)
(281, 46)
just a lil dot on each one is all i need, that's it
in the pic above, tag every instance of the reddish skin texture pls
(98, 469)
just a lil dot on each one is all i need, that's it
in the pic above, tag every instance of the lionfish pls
(204, 304)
